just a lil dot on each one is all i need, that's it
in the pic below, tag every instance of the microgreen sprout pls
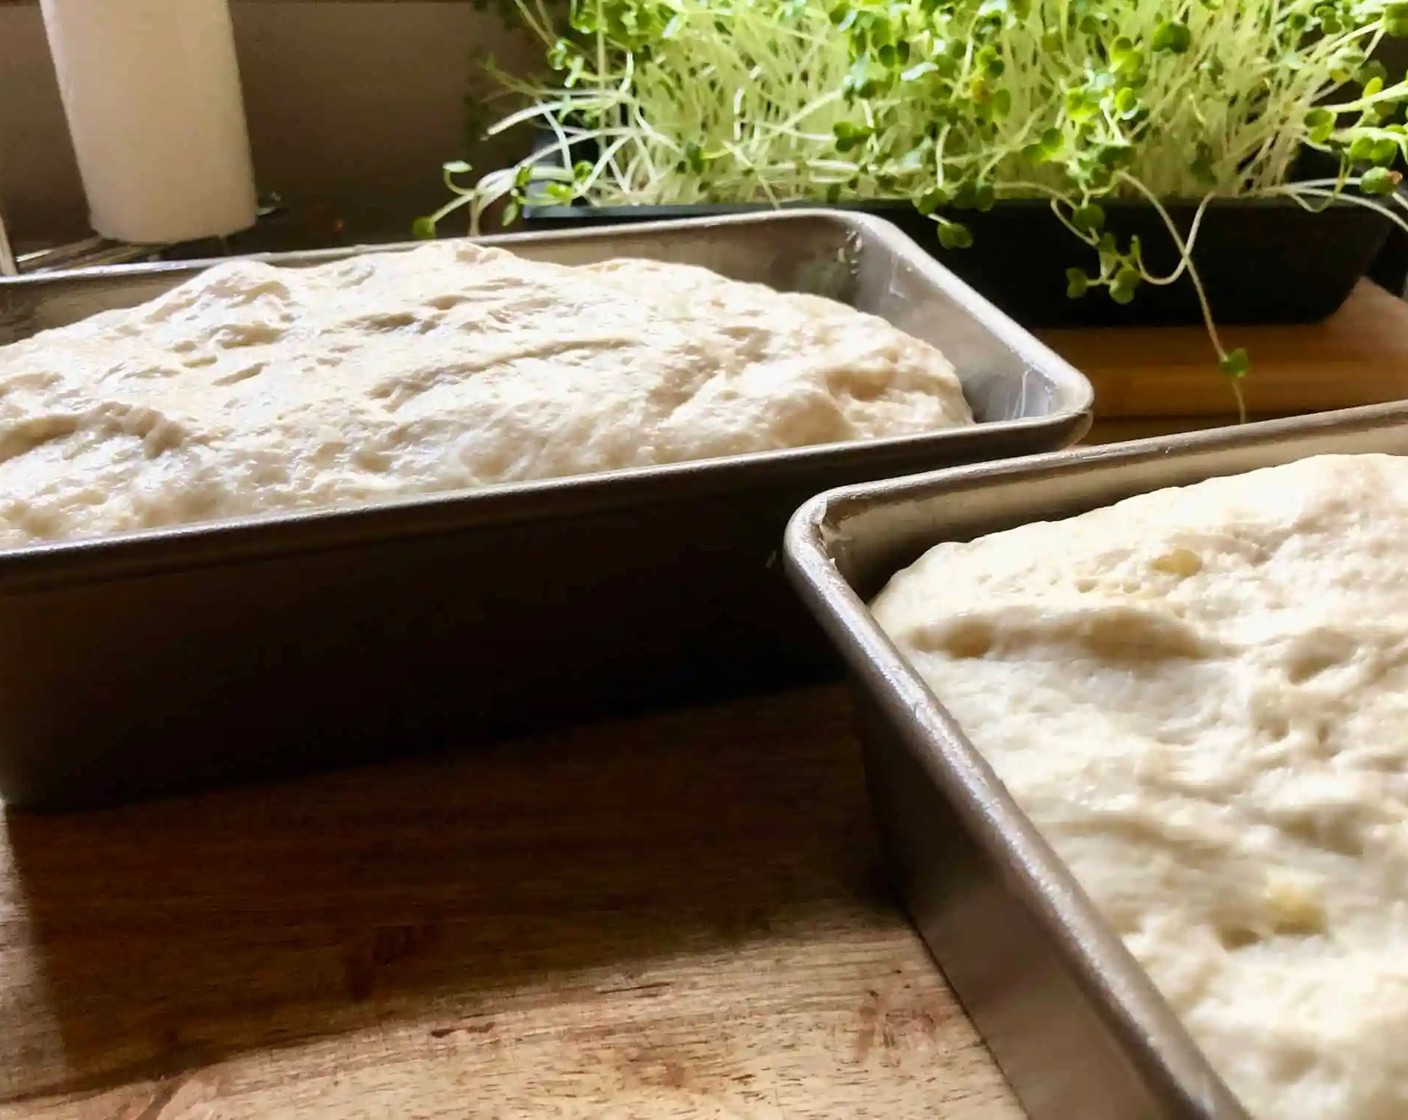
(957, 105)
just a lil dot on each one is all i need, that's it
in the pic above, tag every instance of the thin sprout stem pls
(1020, 189)
(606, 158)
(450, 207)
(1357, 200)
(1185, 262)
(1184, 251)
(1241, 399)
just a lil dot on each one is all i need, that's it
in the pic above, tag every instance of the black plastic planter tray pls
(1261, 261)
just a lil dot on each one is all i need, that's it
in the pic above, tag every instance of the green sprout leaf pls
(1125, 58)
(954, 235)
(1080, 106)
(1109, 253)
(1124, 285)
(1116, 154)
(864, 79)
(1235, 364)
(1089, 218)
(1371, 72)
(1127, 102)
(1048, 148)
(1362, 150)
(1077, 283)
(559, 54)
(1171, 37)
(1396, 21)
(423, 229)
(851, 136)
(1379, 181)
(931, 200)
(1346, 64)
(456, 167)
(1320, 123)
(1093, 23)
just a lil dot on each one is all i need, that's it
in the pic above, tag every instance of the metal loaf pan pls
(1076, 1025)
(182, 656)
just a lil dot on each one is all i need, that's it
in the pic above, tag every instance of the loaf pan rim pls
(1107, 973)
(44, 565)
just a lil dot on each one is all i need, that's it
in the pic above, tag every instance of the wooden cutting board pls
(683, 916)
(1359, 356)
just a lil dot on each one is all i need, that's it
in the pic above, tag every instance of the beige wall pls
(351, 103)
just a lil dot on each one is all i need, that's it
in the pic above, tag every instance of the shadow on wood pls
(173, 935)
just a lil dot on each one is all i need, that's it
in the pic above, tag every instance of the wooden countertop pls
(681, 916)
(1360, 356)
(678, 916)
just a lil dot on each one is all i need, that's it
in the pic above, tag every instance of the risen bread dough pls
(1200, 696)
(253, 388)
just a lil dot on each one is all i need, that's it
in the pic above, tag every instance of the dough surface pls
(1200, 697)
(252, 388)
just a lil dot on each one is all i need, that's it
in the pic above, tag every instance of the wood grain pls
(681, 916)
(1359, 356)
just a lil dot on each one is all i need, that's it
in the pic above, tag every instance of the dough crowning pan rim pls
(251, 388)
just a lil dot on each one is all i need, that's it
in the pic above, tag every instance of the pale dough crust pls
(252, 388)
(1200, 696)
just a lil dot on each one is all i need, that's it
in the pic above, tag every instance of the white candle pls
(151, 91)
